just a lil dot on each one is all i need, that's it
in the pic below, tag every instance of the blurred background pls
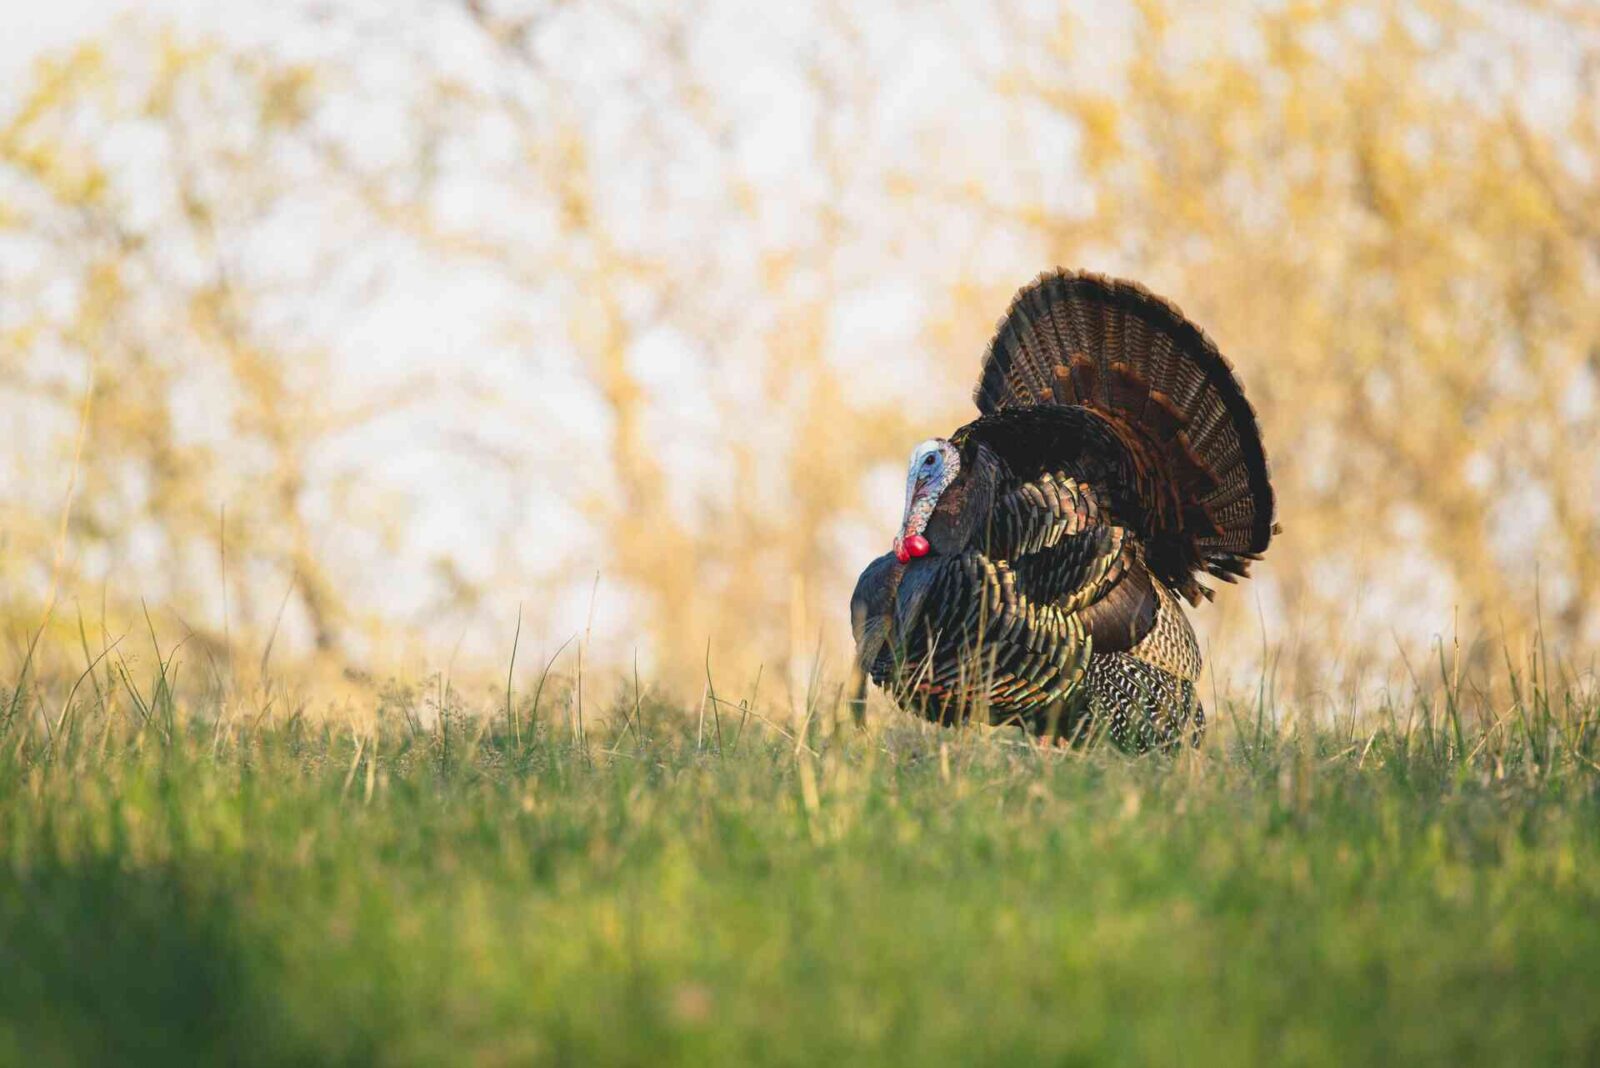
(349, 331)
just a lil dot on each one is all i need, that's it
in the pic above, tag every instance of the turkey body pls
(1051, 540)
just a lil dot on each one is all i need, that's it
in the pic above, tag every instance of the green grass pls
(175, 892)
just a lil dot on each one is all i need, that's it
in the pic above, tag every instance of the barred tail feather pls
(1074, 338)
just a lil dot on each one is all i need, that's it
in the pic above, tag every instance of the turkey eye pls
(927, 461)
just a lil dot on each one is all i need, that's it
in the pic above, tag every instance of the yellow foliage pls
(1400, 255)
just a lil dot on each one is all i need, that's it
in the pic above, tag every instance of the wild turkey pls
(1036, 574)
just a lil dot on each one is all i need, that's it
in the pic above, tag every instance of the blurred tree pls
(1396, 243)
(136, 175)
(684, 341)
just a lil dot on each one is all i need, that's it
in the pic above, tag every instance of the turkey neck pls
(964, 507)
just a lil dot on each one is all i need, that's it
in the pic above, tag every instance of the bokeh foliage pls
(692, 371)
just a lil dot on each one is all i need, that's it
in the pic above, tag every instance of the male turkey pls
(1035, 576)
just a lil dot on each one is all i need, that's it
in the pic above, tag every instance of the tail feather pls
(1111, 345)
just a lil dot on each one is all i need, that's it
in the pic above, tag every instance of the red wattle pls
(916, 545)
(901, 554)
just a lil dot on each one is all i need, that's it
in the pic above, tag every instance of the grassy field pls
(178, 889)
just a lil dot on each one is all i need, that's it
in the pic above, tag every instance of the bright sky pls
(57, 24)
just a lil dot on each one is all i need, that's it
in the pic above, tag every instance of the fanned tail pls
(1074, 338)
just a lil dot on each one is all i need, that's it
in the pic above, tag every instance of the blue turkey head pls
(934, 465)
